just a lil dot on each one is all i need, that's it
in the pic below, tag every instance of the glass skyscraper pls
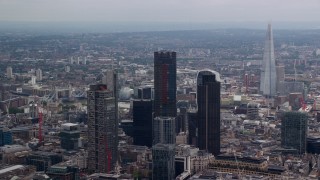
(268, 76)
(208, 100)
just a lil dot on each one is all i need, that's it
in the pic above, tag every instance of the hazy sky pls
(159, 10)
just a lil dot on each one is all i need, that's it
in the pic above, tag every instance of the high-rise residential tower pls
(208, 100)
(102, 128)
(294, 131)
(268, 76)
(165, 87)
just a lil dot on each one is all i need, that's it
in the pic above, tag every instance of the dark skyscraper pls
(102, 128)
(142, 122)
(208, 100)
(294, 131)
(165, 86)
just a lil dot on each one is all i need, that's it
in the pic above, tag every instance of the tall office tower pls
(208, 100)
(268, 72)
(39, 74)
(165, 86)
(142, 122)
(163, 165)
(294, 131)
(102, 128)
(192, 127)
(9, 72)
(164, 130)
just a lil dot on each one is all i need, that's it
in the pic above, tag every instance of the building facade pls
(208, 100)
(164, 130)
(294, 131)
(142, 122)
(165, 86)
(70, 136)
(163, 162)
(102, 128)
(268, 76)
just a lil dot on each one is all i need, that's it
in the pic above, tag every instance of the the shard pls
(268, 71)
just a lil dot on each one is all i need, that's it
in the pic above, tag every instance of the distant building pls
(43, 160)
(280, 76)
(14, 154)
(142, 122)
(253, 111)
(70, 136)
(102, 127)
(294, 131)
(163, 162)
(165, 86)
(164, 130)
(268, 76)
(39, 74)
(182, 120)
(208, 100)
(144, 92)
(9, 72)
(5, 136)
(16, 171)
(287, 87)
(63, 171)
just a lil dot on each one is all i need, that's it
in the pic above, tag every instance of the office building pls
(163, 162)
(142, 122)
(102, 127)
(294, 131)
(268, 76)
(43, 160)
(165, 87)
(192, 127)
(70, 136)
(164, 130)
(63, 171)
(208, 100)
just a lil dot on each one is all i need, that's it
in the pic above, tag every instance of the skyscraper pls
(294, 131)
(163, 167)
(102, 128)
(165, 87)
(164, 130)
(142, 122)
(268, 76)
(208, 100)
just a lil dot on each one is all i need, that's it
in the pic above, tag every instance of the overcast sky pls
(160, 10)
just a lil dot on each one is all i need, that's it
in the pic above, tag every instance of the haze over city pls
(146, 15)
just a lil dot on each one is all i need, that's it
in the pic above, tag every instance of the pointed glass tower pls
(268, 71)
